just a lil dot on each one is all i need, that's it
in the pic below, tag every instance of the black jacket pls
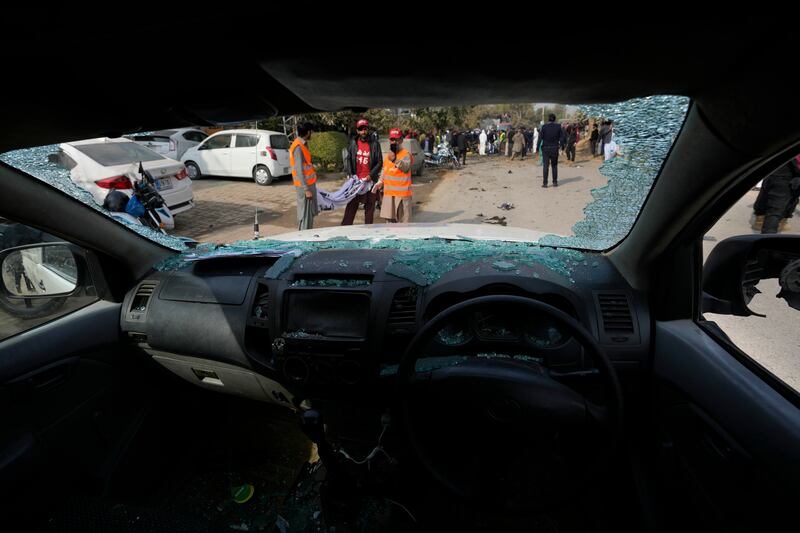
(460, 141)
(552, 135)
(375, 158)
(779, 192)
(572, 137)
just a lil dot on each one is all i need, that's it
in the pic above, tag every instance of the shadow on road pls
(564, 181)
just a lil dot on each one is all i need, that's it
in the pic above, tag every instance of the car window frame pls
(707, 218)
(208, 141)
(199, 137)
(250, 137)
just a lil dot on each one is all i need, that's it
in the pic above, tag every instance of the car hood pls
(415, 231)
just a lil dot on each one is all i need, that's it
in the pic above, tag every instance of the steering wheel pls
(508, 431)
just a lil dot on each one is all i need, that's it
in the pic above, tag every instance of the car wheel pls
(193, 170)
(262, 175)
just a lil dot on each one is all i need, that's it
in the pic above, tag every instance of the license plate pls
(163, 183)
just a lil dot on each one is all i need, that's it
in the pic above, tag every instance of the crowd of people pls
(386, 180)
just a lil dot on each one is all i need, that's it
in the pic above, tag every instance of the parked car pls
(260, 154)
(102, 164)
(171, 143)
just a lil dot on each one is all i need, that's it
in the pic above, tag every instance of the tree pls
(437, 118)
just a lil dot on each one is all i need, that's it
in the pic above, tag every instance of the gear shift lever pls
(339, 494)
(313, 426)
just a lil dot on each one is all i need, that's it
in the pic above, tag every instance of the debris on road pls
(507, 206)
(496, 220)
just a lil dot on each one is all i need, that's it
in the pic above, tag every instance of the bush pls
(326, 149)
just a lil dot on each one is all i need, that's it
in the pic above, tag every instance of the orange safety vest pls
(396, 182)
(308, 168)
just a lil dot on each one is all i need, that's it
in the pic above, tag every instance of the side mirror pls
(737, 264)
(38, 271)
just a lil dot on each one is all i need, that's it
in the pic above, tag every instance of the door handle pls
(49, 379)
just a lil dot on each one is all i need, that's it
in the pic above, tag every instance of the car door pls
(64, 372)
(215, 154)
(726, 431)
(243, 154)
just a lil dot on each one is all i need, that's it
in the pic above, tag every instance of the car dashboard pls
(336, 322)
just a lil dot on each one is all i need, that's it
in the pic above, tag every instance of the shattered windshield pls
(549, 175)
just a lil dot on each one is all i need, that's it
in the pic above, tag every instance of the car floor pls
(195, 449)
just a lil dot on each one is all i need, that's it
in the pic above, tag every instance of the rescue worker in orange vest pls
(304, 177)
(396, 180)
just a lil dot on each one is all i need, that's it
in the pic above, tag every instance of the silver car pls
(171, 143)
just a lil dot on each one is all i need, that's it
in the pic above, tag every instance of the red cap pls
(395, 133)
(361, 122)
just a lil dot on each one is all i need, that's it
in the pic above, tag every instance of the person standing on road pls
(396, 181)
(16, 266)
(552, 138)
(461, 146)
(528, 142)
(364, 160)
(778, 197)
(611, 151)
(572, 140)
(595, 137)
(304, 177)
(606, 134)
(519, 144)
(482, 140)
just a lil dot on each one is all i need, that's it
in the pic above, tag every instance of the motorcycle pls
(145, 206)
(444, 156)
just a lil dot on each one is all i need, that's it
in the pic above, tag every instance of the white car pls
(260, 154)
(171, 143)
(102, 164)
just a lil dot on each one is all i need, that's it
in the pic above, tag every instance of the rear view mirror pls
(38, 271)
(737, 264)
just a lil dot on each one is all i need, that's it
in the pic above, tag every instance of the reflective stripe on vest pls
(396, 182)
(308, 168)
